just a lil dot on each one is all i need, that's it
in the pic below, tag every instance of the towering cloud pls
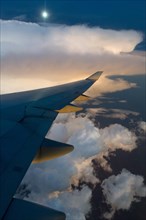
(61, 53)
(29, 38)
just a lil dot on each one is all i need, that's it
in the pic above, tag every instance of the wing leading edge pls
(27, 117)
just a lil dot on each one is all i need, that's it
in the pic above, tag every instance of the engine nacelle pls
(52, 149)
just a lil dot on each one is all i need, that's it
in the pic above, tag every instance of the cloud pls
(116, 136)
(122, 190)
(22, 17)
(111, 113)
(76, 204)
(106, 85)
(142, 126)
(85, 172)
(78, 39)
(61, 53)
(51, 181)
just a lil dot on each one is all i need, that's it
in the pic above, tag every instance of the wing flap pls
(82, 98)
(69, 108)
(24, 210)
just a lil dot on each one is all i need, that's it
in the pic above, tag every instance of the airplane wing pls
(26, 117)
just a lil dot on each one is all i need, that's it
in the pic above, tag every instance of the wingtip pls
(95, 76)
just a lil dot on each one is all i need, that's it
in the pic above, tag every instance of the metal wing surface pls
(26, 117)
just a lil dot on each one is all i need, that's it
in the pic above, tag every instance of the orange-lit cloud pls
(57, 54)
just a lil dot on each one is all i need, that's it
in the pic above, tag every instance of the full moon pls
(45, 14)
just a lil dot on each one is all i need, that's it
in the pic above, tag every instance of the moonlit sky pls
(104, 177)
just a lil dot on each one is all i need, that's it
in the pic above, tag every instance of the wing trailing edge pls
(24, 210)
(70, 108)
(82, 98)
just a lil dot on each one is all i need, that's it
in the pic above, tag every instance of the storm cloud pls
(59, 53)
(21, 37)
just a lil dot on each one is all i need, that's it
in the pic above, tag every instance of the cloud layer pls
(60, 53)
(79, 39)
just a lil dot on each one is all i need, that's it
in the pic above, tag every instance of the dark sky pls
(118, 14)
(112, 14)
